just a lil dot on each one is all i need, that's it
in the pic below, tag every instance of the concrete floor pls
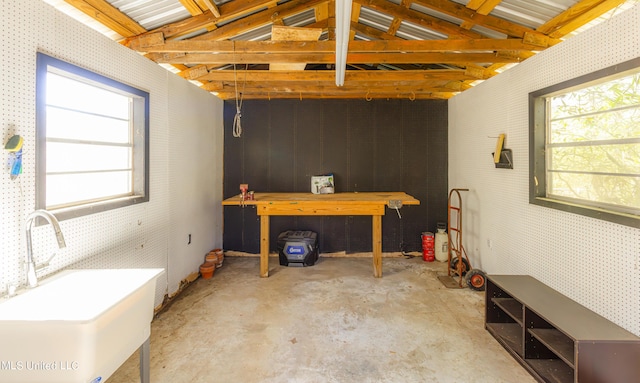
(332, 322)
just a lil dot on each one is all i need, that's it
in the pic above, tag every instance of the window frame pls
(537, 146)
(141, 191)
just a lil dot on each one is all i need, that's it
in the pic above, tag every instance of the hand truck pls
(458, 262)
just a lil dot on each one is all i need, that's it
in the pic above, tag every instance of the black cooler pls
(298, 248)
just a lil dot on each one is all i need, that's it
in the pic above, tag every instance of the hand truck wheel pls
(464, 267)
(476, 279)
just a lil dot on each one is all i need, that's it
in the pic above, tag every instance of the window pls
(92, 141)
(585, 145)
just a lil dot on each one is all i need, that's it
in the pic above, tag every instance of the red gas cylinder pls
(428, 246)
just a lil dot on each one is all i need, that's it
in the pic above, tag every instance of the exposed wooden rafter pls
(420, 68)
(108, 15)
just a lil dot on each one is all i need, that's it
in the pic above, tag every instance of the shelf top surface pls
(565, 314)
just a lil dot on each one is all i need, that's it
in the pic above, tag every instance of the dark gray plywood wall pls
(379, 145)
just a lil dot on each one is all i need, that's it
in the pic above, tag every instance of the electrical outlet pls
(490, 244)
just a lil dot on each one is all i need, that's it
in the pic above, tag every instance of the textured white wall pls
(195, 177)
(593, 262)
(135, 236)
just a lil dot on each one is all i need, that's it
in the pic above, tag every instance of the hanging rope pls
(237, 124)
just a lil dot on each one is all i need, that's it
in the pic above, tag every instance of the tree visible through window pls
(585, 144)
(92, 140)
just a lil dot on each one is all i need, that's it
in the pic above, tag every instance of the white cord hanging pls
(237, 124)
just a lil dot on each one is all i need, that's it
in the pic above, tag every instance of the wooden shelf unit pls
(556, 339)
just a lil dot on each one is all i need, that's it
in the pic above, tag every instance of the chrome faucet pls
(32, 278)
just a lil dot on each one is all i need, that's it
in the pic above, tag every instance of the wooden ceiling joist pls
(329, 58)
(259, 19)
(153, 43)
(204, 46)
(109, 15)
(483, 7)
(192, 7)
(210, 5)
(419, 18)
(465, 14)
(207, 20)
(353, 89)
(362, 95)
(576, 16)
(328, 76)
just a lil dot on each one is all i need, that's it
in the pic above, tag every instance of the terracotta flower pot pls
(207, 269)
(211, 257)
(220, 254)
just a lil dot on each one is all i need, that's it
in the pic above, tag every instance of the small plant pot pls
(211, 257)
(220, 254)
(207, 270)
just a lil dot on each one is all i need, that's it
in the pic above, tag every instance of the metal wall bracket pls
(395, 204)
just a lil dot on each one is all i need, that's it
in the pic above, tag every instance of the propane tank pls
(442, 243)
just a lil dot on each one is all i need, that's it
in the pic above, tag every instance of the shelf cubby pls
(510, 306)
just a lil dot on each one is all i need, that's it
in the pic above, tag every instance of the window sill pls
(96, 207)
(588, 211)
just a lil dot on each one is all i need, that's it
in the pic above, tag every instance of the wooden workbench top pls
(374, 198)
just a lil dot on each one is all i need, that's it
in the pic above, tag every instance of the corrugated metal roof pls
(530, 13)
(151, 14)
(264, 32)
(411, 31)
(258, 34)
(431, 12)
(488, 33)
(301, 19)
(374, 19)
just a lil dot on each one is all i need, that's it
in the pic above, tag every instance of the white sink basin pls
(78, 326)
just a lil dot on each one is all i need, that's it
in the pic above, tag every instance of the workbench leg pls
(377, 245)
(264, 246)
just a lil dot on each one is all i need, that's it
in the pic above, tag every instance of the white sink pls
(78, 326)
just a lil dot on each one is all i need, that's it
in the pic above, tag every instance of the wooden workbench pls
(290, 204)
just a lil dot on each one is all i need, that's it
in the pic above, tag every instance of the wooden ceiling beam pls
(322, 11)
(226, 95)
(465, 14)
(108, 15)
(180, 28)
(153, 43)
(329, 58)
(332, 88)
(576, 16)
(207, 20)
(350, 76)
(483, 7)
(372, 32)
(305, 87)
(398, 11)
(210, 5)
(191, 7)
(473, 56)
(259, 19)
